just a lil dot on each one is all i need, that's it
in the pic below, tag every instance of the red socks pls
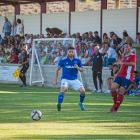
(119, 101)
(114, 96)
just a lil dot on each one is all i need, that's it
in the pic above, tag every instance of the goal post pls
(34, 54)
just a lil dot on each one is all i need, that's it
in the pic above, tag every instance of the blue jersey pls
(69, 71)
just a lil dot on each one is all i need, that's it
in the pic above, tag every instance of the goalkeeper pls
(70, 66)
(24, 65)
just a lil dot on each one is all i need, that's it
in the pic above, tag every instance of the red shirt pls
(14, 57)
(127, 71)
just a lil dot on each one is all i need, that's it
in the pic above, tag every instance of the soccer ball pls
(36, 115)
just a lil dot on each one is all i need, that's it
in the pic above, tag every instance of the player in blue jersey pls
(70, 66)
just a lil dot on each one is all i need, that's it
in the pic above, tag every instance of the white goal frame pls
(34, 52)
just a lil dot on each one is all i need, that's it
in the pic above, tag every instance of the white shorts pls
(75, 84)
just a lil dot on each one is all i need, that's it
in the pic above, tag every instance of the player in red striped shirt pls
(123, 78)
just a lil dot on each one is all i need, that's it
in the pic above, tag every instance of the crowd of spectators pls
(50, 52)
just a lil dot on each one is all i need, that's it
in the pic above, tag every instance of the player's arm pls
(80, 69)
(115, 75)
(79, 66)
(126, 63)
(56, 75)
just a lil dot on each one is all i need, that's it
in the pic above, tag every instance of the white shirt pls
(28, 41)
(111, 53)
(100, 51)
(56, 60)
(15, 30)
(46, 49)
(19, 26)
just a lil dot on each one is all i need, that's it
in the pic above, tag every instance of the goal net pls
(46, 53)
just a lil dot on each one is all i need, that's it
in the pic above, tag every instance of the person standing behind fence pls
(20, 28)
(7, 27)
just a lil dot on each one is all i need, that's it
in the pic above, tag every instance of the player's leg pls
(99, 74)
(114, 86)
(95, 81)
(78, 86)
(64, 87)
(124, 85)
(21, 76)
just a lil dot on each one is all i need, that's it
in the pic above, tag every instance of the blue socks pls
(60, 97)
(82, 97)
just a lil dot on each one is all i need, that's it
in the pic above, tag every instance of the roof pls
(16, 2)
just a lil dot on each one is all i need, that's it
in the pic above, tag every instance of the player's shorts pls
(75, 84)
(123, 82)
(24, 69)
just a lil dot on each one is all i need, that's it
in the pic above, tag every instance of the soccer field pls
(70, 123)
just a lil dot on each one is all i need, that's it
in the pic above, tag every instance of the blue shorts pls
(122, 82)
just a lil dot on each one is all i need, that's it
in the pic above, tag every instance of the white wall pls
(31, 23)
(118, 20)
(59, 20)
(2, 20)
(85, 21)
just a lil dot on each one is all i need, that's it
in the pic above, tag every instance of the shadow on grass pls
(80, 137)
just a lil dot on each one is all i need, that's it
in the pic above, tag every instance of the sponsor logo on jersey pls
(97, 56)
(127, 58)
(70, 67)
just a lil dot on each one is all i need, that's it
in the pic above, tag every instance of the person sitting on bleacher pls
(134, 84)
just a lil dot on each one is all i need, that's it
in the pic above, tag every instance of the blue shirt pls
(83, 40)
(1, 40)
(69, 71)
(89, 50)
(7, 24)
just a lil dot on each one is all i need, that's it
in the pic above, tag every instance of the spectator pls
(15, 28)
(110, 78)
(92, 45)
(45, 49)
(81, 51)
(51, 35)
(64, 42)
(15, 49)
(29, 46)
(1, 47)
(106, 38)
(111, 54)
(56, 58)
(54, 48)
(137, 40)
(127, 38)
(39, 57)
(48, 35)
(134, 84)
(28, 39)
(102, 48)
(53, 30)
(20, 28)
(83, 38)
(86, 36)
(89, 48)
(3, 56)
(91, 37)
(10, 48)
(12, 41)
(7, 57)
(18, 40)
(7, 27)
(118, 40)
(5, 41)
(111, 34)
(1, 39)
(6, 48)
(14, 58)
(97, 39)
(44, 59)
(113, 43)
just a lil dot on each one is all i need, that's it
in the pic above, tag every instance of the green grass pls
(16, 105)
